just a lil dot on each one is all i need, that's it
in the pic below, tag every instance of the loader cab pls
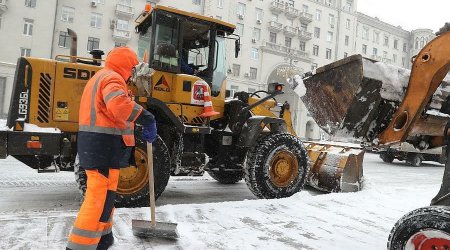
(181, 42)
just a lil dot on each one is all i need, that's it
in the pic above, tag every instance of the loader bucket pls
(356, 97)
(335, 167)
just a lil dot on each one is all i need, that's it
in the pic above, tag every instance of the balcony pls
(303, 35)
(275, 26)
(3, 6)
(284, 51)
(289, 31)
(124, 10)
(277, 7)
(121, 35)
(292, 12)
(305, 17)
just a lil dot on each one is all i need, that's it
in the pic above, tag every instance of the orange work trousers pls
(95, 217)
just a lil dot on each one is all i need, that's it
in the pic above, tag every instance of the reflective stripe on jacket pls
(107, 114)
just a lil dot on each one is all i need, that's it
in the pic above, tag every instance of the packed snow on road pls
(37, 211)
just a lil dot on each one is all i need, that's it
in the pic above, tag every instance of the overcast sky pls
(410, 14)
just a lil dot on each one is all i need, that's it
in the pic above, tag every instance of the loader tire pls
(132, 190)
(419, 224)
(226, 177)
(386, 157)
(276, 167)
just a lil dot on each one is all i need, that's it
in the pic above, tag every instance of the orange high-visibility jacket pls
(107, 114)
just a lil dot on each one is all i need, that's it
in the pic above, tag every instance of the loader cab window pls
(220, 73)
(196, 49)
(165, 50)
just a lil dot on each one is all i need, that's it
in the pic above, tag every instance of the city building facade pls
(278, 38)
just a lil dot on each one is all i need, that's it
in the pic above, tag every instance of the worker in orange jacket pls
(105, 143)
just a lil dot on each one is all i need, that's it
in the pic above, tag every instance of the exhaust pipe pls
(73, 45)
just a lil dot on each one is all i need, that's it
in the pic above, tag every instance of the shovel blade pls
(145, 229)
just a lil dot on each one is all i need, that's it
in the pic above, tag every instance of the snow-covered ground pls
(37, 210)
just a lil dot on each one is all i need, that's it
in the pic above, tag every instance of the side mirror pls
(237, 47)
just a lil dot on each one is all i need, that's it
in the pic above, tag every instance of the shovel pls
(153, 229)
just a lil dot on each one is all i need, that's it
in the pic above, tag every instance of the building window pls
(305, 8)
(196, 2)
(289, 3)
(346, 40)
(365, 33)
(364, 49)
(376, 37)
(331, 20)
(119, 44)
(96, 20)
(416, 46)
(93, 43)
(357, 30)
(251, 90)
(239, 29)
(253, 73)
(122, 25)
(241, 9)
(422, 42)
(28, 27)
(64, 39)
(68, 14)
(220, 4)
(275, 17)
(329, 36)
(345, 54)
(30, 3)
(254, 54)
(347, 24)
(259, 14)
(328, 54)
(385, 54)
(316, 50)
(313, 66)
(273, 37)
(405, 47)
(375, 51)
(316, 32)
(126, 2)
(395, 44)
(386, 41)
(318, 15)
(256, 34)
(25, 52)
(302, 46)
(287, 42)
(236, 70)
(328, 2)
(403, 62)
(394, 58)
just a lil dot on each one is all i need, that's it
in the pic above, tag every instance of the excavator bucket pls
(335, 167)
(356, 97)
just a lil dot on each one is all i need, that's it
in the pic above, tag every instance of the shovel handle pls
(151, 183)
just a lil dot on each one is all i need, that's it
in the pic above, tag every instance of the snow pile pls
(307, 220)
(28, 127)
(395, 79)
(297, 85)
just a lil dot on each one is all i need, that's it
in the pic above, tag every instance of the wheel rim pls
(134, 178)
(428, 239)
(283, 168)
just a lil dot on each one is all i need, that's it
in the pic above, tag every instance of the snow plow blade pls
(356, 97)
(335, 167)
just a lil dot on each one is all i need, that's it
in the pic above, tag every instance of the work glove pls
(149, 132)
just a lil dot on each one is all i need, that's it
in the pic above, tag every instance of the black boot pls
(105, 241)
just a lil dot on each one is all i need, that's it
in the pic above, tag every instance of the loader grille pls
(44, 98)
(198, 120)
